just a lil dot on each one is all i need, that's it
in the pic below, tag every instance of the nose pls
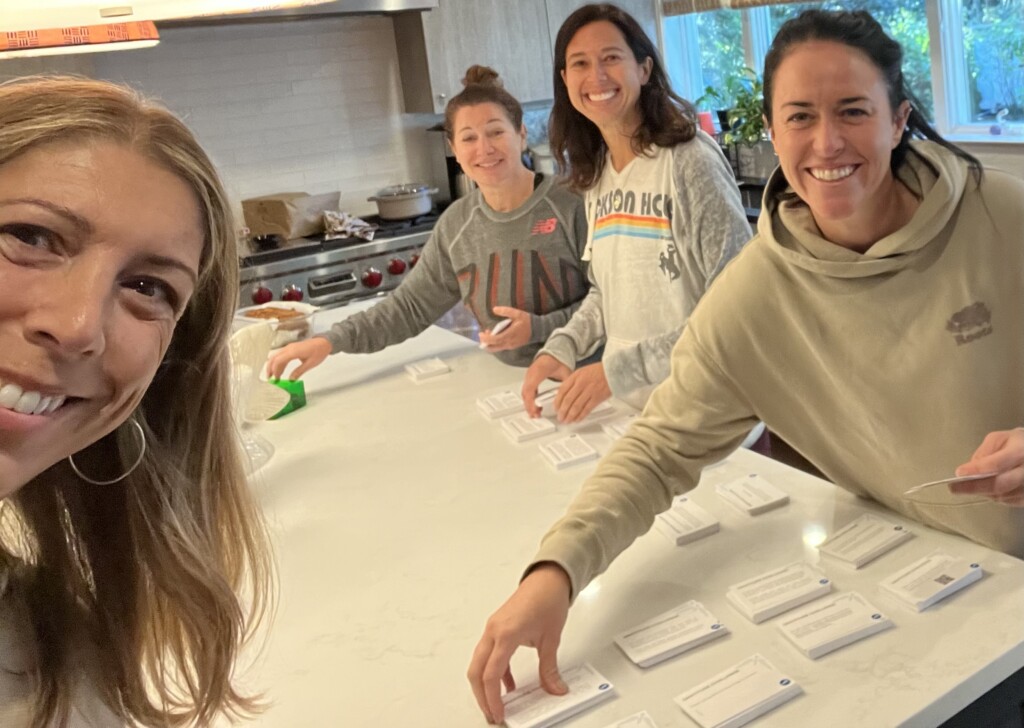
(69, 317)
(828, 137)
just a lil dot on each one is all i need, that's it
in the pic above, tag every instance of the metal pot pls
(400, 202)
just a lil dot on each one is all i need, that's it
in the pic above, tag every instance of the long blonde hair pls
(163, 577)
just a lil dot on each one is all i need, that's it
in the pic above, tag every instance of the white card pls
(932, 579)
(617, 428)
(778, 591)
(864, 540)
(832, 623)
(501, 404)
(426, 369)
(522, 427)
(752, 494)
(568, 451)
(642, 719)
(677, 630)
(685, 521)
(531, 707)
(738, 695)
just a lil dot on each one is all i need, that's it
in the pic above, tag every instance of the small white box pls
(752, 494)
(568, 451)
(778, 591)
(642, 719)
(427, 369)
(667, 635)
(685, 521)
(864, 540)
(738, 695)
(531, 707)
(932, 579)
(617, 428)
(832, 623)
(522, 427)
(500, 404)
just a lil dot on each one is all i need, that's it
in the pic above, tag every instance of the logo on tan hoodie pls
(970, 323)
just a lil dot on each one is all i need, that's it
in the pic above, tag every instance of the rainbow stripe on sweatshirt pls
(635, 226)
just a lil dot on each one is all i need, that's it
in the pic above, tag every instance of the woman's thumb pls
(550, 679)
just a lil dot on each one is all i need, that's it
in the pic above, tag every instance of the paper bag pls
(289, 214)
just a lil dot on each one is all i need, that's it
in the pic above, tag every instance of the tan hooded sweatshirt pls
(884, 369)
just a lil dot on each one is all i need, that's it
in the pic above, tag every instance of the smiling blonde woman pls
(133, 560)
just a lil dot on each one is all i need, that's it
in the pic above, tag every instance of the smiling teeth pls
(830, 175)
(13, 397)
(602, 96)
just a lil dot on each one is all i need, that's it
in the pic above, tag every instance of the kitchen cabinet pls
(644, 11)
(435, 49)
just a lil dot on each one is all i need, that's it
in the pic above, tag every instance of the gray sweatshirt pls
(528, 259)
(659, 231)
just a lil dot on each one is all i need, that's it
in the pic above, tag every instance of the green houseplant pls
(746, 132)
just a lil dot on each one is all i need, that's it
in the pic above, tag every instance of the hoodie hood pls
(787, 226)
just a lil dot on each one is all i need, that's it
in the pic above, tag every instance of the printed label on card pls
(532, 707)
(685, 521)
(637, 720)
(426, 369)
(677, 630)
(522, 427)
(932, 579)
(501, 404)
(864, 540)
(568, 451)
(752, 494)
(738, 695)
(832, 623)
(778, 591)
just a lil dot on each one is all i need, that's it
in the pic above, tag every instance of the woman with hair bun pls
(510, 250)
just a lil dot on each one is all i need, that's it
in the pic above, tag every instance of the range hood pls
(325, 9)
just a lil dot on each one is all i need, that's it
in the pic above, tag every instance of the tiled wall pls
(312, 106)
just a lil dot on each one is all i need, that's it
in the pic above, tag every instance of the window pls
(963, 59)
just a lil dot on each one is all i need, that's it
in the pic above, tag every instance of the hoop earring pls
(138, 460)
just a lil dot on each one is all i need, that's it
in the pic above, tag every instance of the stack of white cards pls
(863, 540)
(685, 521)
(778, 591)
(677, 630)
(427, 369)
(522, 427)
(752, 494)
(617, 428)
(531, 707)
(931, 579)
(832, 623)
(501, 404)
(642, 719)
(568, 451)
(738, 695)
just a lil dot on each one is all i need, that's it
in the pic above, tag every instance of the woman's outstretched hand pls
(532, 617)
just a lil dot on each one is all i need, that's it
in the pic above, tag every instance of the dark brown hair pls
(666, 119)
(482, 86)
(859, 30)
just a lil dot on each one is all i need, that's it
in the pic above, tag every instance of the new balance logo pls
(544, 227)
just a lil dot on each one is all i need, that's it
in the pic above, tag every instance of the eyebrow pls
(603, 50)
(80, 223)
(489, 121)
(808, 104)
(164, 261)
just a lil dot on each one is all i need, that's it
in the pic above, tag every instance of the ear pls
(768, 128)
(562, 73)
(522, 135)
(645, 70)
(899, 122)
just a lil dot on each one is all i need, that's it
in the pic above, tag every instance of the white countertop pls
(402, 519)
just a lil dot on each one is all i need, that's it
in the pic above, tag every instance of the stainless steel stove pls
(335, 272)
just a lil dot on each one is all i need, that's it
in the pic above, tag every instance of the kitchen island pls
(402, 518)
